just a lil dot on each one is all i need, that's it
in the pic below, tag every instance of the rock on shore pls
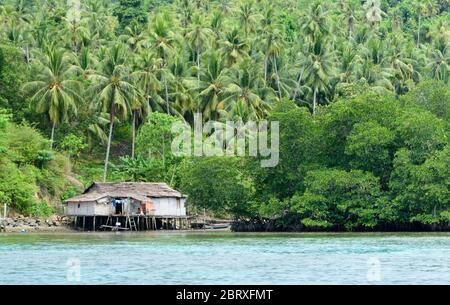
(30, 224)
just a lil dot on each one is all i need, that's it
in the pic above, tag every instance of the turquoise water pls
(224, 258)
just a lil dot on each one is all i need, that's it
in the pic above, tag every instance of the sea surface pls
(224, 258)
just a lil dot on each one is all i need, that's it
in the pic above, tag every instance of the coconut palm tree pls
(162, 39)
(146, 69)
(233, 47)
(319, 68)
(245, 89)
(76, 32)
(197, 36)
(246, 16)
(84, 63)
(439, 61)
(114, 91)
(216, 23)
(350, 16)
(374, 68)
(349, 62)
(133, 36)
(213, 83)
(54, 91)
(183, 89)
(315, 21)
(273, 46)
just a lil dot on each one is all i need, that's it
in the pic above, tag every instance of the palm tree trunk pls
(350, 30)
(278, 77)
(108, 148)
(166, 92)
(265, 68)
(198, 67)
(315, 101)
(27, 53)
(418, 29)
(133, 141)
(52, 138)
(300, 77)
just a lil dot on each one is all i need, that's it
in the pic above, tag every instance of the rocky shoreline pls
(32, 224)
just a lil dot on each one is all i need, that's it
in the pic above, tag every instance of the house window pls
(178, 203)
(78, 205)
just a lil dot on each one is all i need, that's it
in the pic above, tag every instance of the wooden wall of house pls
(169, 206)
(87, 209)
(80, 209)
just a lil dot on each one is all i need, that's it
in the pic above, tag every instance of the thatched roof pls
(137, 190)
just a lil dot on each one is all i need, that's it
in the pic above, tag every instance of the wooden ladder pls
(132, 223)
(109, 221)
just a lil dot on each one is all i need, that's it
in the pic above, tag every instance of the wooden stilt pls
(84, 222)
(93, 225)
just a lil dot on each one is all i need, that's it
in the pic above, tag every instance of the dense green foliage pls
(360, 88)
(31, 176)
(360, 163)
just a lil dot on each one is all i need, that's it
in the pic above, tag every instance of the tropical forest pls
(90, 90)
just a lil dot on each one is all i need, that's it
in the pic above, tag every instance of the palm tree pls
(423, 8)
(245, 89)
(197, 37)
(273, 46)
(147, 66)
(349, 62)
(246, 16)
(214, 81)
(350, 17)
(140, 109)
(282, 77)
(77, 32)
(233, 47)
(84, 63)
(315, 23)
(184, 102)
(19, 35)
(163, 40)
(400, 64)
(95, 130)
(186, 9)
(319, 68)
(54, 91)
(439, 65)
(374, 69)
(216, 24)
(115, 92)
(133, 36)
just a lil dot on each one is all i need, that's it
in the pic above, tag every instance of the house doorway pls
(119, 208)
